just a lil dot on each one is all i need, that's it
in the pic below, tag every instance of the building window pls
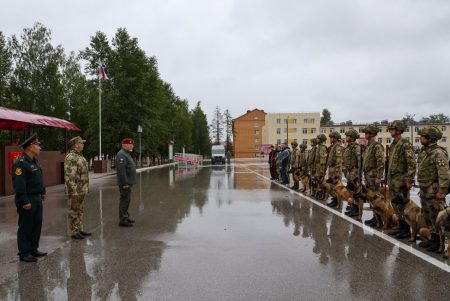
(388, 140)
(313, 130)
(278, 130)
(444, 139)
(256, 132)
(278, 120)
(305, 141)
(305, 120)
(324, 130)
(257, 147)
(331, 130)
(312, 120)
(285, 141)
(407, 129)
(444, 128)
(342, 130)
(285, 130)
(305, 131)
(416, 129)
(256, 118)
(278, 141)
(380, 140)
(295, 140)
(387, 130)
(417, 140)
(256, 124)
(285, 120)
(294, 130)
(256, 140)
(380, 130)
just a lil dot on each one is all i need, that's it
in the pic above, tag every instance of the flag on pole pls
(101, 69)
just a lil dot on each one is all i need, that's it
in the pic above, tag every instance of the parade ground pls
(213, 233)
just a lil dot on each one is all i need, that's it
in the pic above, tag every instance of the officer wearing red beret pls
(126, 177)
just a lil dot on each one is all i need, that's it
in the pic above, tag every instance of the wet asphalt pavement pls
(212, 233)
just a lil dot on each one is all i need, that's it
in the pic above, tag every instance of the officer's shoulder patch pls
(18, 171)
(441, 163)
(121, 160)
(409, 153)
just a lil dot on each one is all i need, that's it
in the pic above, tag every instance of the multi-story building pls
(289, 127)
(384, 137)
(247, 136)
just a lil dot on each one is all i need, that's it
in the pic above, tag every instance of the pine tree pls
(217, 126)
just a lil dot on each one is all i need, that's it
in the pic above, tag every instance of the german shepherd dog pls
(384, 212)
(342, 194)
(412, 212)
(306, 183)
(443, 223)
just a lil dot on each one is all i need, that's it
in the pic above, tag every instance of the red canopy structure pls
(15, 120)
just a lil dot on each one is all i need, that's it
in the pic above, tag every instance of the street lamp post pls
(139, 130)
(287, 130)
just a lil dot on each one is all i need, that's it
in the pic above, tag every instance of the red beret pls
(127, 141)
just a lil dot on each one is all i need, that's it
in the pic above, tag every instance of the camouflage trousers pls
(352, 176)
(395, 184)
(76, 211)
(370, 179)
(430, 206)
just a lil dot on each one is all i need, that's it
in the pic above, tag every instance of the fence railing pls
(188, 158)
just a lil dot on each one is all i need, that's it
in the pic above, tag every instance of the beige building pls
(384, 136)
(289, 127)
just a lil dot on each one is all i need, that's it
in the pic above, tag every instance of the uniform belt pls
(35, 194)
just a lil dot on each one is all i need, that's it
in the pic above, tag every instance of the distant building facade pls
(247, 135)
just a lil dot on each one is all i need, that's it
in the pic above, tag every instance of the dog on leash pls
(384, 212)
(306, 183)
(342, 194)
(324, 188)
(412, 212)
(443, 224)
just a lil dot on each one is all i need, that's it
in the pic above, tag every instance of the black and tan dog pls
(412, 213)
(443, 224)
(342, 194)
(306, 183)
(324, 188)
(384, 212)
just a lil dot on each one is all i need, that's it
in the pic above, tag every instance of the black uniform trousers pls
(125, 197)
(30, 225)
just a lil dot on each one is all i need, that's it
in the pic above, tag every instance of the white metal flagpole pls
(100, 115)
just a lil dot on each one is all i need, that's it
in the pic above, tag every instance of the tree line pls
(39, 77)
(222, 124)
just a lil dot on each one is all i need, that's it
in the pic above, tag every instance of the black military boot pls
(434, 245)
(404, 231)
(333, 202)
(28, 258)
(353, 212)
(425, 244)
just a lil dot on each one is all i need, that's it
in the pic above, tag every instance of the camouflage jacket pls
(402, 162)
(320, 160)
(302, 160)
(335, 156)
(433, 168)
(294, 158)
(76, 174)
(351, 157)
(311, 159)
(373, 159)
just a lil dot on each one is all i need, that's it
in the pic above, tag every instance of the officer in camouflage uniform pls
(373, 164)
(433, 178)
(401, 173)
(302, 163)
(294, 165)
(29, 187)
(321, 159)
(350, 167)
(311, 161)
(76, 176)
(334, 163)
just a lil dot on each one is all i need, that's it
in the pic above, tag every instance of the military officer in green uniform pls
(76, 175)
(373, 164)
(334, 164)
(320, 161)
(311, 163)
(126, 177)
(350, 167)
(400, 174)
(433, 178)
(29, 187)
(294, 165)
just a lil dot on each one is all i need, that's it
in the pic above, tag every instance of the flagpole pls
(100, 117)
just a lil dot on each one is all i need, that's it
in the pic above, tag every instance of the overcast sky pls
(363, 60)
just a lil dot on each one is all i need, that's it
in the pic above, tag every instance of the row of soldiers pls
(368, 164)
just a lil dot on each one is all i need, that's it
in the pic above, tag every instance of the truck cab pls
(218, 154)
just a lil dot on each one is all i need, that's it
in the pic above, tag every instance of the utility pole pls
(287, 130)
(139, 130)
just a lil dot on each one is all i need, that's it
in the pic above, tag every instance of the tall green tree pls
(217, 126)
(228, 130)
(325, 119)
(5, 70)
(436, 118)
(200, 131)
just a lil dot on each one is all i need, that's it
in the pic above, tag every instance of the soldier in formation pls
(334, 164)
(76, 176)
(294, 165)
(433, 178)
(351, 164)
